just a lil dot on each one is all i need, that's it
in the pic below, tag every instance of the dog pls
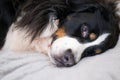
(66, 30)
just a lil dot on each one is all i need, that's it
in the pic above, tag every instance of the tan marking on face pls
(69, 17)
(97, 51)
(93, 36)
(60, 32)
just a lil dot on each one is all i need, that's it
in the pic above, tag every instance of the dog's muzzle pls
(64, 51)
(67, 51)
(67, 59)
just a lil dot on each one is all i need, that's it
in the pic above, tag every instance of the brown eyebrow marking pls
(69, 17)
(93, 36)
(60, 32)
(97, 51)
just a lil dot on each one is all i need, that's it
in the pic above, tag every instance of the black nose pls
(66, 60)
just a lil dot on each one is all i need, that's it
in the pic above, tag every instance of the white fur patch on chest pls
(18, 40)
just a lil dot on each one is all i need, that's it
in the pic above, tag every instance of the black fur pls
(41, 11)
(100, 18)
(38, 13)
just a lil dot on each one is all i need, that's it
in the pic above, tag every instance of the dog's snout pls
(64, 51)
(66, 60)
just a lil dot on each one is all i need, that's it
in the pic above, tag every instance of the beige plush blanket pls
(36, 66)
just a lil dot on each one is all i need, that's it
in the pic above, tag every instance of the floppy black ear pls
(85, 8)
(107, 10)
(104, 9)
(78, 2)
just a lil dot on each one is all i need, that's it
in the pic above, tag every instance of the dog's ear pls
(104, 9)
(78, 2)
(86, 8)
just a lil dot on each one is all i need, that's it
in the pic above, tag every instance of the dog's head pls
(84, 29)
(89, 29)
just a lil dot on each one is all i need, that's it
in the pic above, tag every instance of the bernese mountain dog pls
(66, 30)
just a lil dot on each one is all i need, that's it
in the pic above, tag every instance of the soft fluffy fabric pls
(36, 66)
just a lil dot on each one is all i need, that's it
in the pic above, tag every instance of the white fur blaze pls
(65, 43)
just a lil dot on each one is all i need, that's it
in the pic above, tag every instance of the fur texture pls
(35, 26)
